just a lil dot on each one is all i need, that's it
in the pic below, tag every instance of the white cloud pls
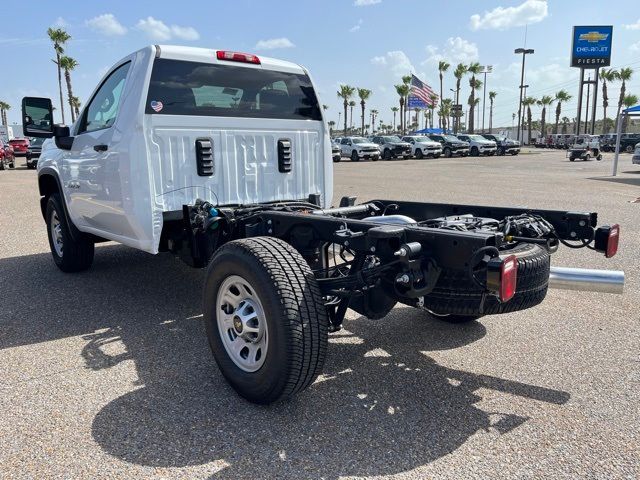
(356, 27)
(633, 26)
(273, 43)
(60, 23)
(455, 50)
(635, 47)
(365, 3)
(158, 30)
(395, 61)
(501, 18)
(106, 24)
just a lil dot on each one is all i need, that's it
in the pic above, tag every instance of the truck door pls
(92, 168)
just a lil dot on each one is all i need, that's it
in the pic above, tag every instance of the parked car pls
(20, 146)
(336, 154)
(478, 145)
(422, 146)
(564, 140)
(451, 145)
(33, 152)
(636, 155)
(504, 144)
(7, 158)
(608, 142)
(392, 147)
(358, 147)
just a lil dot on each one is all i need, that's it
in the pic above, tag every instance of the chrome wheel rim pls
(242, 323)
(56, 233)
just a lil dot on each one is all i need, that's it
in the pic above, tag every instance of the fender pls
(51, 172)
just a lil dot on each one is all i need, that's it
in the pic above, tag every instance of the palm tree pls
(609, 75)
(544, 102)
(492, 97)
(527, 102)
(406, 79)
(394, 110)
(76, 105)
(374, 115)
(67, 64)
(474, 69)
(4, 106)
(445, 112)
(459, 72)
(625, 75)
(561, 96)
(434, 99)
(402, 91)
(565, 124)
(59, 37)
(364, 95)
(331, 124)
(352, 104)
(443, 66)
(628, 101)
(345, 92)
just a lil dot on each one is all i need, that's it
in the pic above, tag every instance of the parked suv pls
(33, 152)
(479, 145)
(636, 155)
(358, 147)
(336, 154)
(504, 144)
(392, 147)
(451, 145)
(6, 155)
(422, 146)
(20, 146)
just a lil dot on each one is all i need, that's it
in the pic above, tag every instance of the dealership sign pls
(591, 47)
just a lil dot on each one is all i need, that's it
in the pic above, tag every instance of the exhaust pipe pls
(587, 280)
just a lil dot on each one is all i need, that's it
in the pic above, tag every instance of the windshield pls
(451, 138)
(477, 138)
(391, 139)
(191, 88)
(36, 142)
(423, 140)
(359, 140)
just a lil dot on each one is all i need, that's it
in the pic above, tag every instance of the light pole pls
(524, 52)
(485, 69)
(523, 92)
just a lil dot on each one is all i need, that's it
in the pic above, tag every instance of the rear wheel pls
(587, 157)
(265, 319)
(70, 254)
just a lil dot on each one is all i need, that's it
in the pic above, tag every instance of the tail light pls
(237, 57)
(606, 240)
(502, 276)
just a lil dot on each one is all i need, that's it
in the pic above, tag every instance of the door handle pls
(101, 148)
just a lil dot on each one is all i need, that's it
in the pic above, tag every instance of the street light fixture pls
(524, 52)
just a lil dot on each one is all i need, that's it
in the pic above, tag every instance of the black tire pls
(628, 149)
(387, 154)
(587, 157)
(571, 159)
(295, 316)
(336, 159)
(457, 294)
(77, 254)
(12, 165)
(406, 157)
(375, 158)
(419, 154)
(437, 155)
(354, 156)
(475, 152)
(1, 165)
(447, 152)
(513, 154)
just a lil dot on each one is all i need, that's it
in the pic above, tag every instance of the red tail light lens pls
(237, 57)
(612, 241)
(606, 240)
(502, 277)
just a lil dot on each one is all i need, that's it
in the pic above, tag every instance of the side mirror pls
(37, 117)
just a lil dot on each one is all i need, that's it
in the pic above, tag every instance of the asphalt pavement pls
(107, 373)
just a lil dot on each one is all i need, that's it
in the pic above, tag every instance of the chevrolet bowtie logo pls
(593, 37)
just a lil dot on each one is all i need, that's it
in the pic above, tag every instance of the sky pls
(364, 43)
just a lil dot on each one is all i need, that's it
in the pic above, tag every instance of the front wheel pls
(265, 319)
(475, 152)
(419, 154)
(628, 149)
(354, 156)
(70, 254)
(501, 151)
(387, 154)
(336, 159)
(447, 152)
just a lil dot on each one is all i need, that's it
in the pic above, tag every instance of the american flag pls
(422, 92)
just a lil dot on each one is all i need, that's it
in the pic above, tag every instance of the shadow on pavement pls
(623, 180)
(382, 406)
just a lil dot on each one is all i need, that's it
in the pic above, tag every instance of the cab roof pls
(208, 55)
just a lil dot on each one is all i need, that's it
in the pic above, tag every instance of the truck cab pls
(167, 125)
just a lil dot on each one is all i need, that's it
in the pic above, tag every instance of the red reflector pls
(508, 278)
(237, 57)
(612, 241)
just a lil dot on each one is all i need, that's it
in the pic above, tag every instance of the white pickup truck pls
(224, 159)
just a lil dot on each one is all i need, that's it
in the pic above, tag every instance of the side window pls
(344, 141)
(103, 108)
